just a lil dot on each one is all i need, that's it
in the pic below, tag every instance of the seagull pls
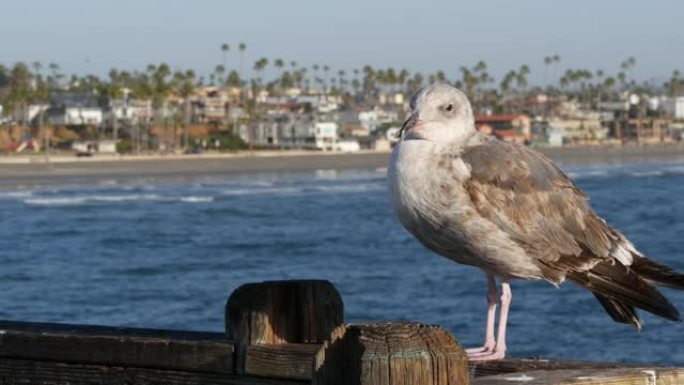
(511, 212)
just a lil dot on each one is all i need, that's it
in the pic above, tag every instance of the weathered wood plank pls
(280, 312)
(390, 354)
(127, 347)
(514, 365)
(293, 361)
(14, 371)
(621, 376)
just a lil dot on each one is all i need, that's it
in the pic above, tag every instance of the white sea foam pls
(293, 190)
(15, 194)
(62, 201)
(639, 174)
(84, 199)
(351, 188)
(255, 191)
(581, 174)
(196, 199)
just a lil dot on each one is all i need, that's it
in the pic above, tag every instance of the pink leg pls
(500, 349)
(490, 342)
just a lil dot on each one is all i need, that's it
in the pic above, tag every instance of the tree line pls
(22, 84)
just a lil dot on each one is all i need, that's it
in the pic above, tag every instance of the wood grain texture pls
(127, 347)
(293, 361)
(390, 354)
(281, 312)
(515, 365)
(621, 376)
(14, 371)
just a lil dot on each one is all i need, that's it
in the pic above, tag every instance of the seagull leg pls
(490, 342)
(500, 349)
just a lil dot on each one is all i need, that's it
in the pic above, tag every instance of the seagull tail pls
(624, 290)
(620, 311)
(657, 273)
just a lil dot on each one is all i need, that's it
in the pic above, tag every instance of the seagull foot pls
(486, 355)
(482, 349)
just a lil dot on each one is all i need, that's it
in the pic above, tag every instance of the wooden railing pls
(281, 332)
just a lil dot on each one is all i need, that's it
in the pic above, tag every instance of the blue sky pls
(95, 35)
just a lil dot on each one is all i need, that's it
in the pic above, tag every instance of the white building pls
(371, 120)
(95, 146)
(325, 135)
(132, 111)
(556, 136)
(76, 116)
(674, 107)
(348, 146)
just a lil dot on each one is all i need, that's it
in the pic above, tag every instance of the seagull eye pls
(450, 107)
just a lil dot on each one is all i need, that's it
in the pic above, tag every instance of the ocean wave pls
(585, 174)
(261, 191)
(86, 199)
(63, 201)
(15, 194)
(307, 189)
(639, 174)
(635, 171)
(196, 199)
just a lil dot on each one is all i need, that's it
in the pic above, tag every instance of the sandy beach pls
(17, 171)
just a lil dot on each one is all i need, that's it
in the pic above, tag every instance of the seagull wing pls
(528, 197)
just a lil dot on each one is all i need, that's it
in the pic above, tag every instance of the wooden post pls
(281, 312)
(390, 354)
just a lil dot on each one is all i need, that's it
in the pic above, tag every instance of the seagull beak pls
(408, 124)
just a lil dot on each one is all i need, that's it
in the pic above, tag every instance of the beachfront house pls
(325, 135)
(210, 104)
(673, 107)
(129, 111)
(510, 128)
(372, 119)
(89, 147)
(74, 110)
(75, 116)
(281, 130)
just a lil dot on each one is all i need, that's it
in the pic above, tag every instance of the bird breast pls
(429, 198)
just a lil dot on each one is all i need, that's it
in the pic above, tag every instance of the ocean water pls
(149, 253)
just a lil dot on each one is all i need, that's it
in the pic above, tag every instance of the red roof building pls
(510, 127)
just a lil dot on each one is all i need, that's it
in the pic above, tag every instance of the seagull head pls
(441, 114)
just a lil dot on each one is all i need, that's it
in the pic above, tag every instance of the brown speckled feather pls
(541, 209)
(538, 206)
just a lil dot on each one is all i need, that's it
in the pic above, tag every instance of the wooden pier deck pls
(286, 332)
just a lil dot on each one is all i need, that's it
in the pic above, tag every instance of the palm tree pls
(279, 64)
(325, 71)
(673, 84)
(242, 47)
(20, 90)
(55, 76)
(555, 59)
(548, 60)
(220, 70)
(599, 84)
(259, 67)
(233, 79)
(224, 49)
(315, 68)
(342, 81)
(186, 87)
(626, 66)
(522, 75)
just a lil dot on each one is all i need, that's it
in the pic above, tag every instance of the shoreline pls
(31, 171)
